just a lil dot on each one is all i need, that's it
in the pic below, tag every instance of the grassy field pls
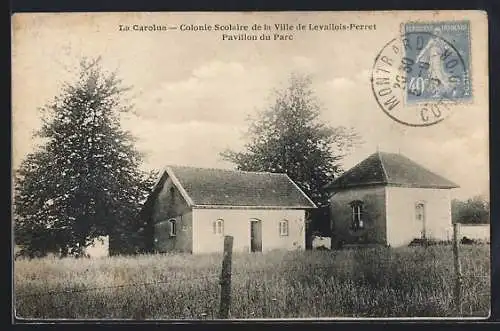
(402, 282)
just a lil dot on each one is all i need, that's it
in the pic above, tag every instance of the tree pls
(84, 181)
(475, 210)
(290, 137)
(138, 234)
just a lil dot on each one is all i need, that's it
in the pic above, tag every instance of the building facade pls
(191, 209)
(388, 199)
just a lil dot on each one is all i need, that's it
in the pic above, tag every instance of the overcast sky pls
(192, 91)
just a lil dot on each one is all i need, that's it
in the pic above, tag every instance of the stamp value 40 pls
(418, 77)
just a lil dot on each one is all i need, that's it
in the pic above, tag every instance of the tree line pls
(475, 210)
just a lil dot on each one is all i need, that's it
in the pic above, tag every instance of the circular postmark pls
(418, 78)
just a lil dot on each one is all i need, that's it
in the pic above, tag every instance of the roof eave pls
(154, 190)
(179, 186)
(348, 186)
(344, 187)
(437, 186)
(211, 206)
(313, 205)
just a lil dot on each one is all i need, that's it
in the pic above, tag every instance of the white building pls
(191, 209)
(473, 231)
(388, 199)
(98, 248)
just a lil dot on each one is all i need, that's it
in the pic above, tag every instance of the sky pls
(192, 91)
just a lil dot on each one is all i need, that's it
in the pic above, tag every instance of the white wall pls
(402, 226)
(237, 224)
(321, 241)
(474, 231)
(99, 247)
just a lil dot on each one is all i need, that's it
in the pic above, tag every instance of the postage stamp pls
(442, 56)
(426, 70)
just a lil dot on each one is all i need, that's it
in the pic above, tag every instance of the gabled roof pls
(389, 169)
(218, 188)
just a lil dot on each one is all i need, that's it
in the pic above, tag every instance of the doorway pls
(420, 216)
(255, 236)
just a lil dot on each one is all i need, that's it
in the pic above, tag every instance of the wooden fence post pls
(458, 270)
(225, 280)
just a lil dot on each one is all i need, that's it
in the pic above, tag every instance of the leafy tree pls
(84, 181)
(475, 210)
(290, 137)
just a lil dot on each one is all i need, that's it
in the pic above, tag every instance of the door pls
(255, 236)
(420, 216)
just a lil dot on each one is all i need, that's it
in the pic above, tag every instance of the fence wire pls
(171, 278)
(98, 288)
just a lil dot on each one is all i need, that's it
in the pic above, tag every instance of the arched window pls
(357, 222)
(283, 228)
(218, 227)
(173, 227)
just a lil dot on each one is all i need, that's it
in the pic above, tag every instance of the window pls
(357, 215)
(173, 227)
(218, 227)
(419, 211)
(283, 228)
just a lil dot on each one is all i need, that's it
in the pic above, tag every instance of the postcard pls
(250, 166)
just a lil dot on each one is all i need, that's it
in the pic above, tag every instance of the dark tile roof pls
(389, 169)
(220, 187)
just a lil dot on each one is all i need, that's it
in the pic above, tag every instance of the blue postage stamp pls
(441, 61)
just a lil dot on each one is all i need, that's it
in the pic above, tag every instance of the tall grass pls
(405, 282)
